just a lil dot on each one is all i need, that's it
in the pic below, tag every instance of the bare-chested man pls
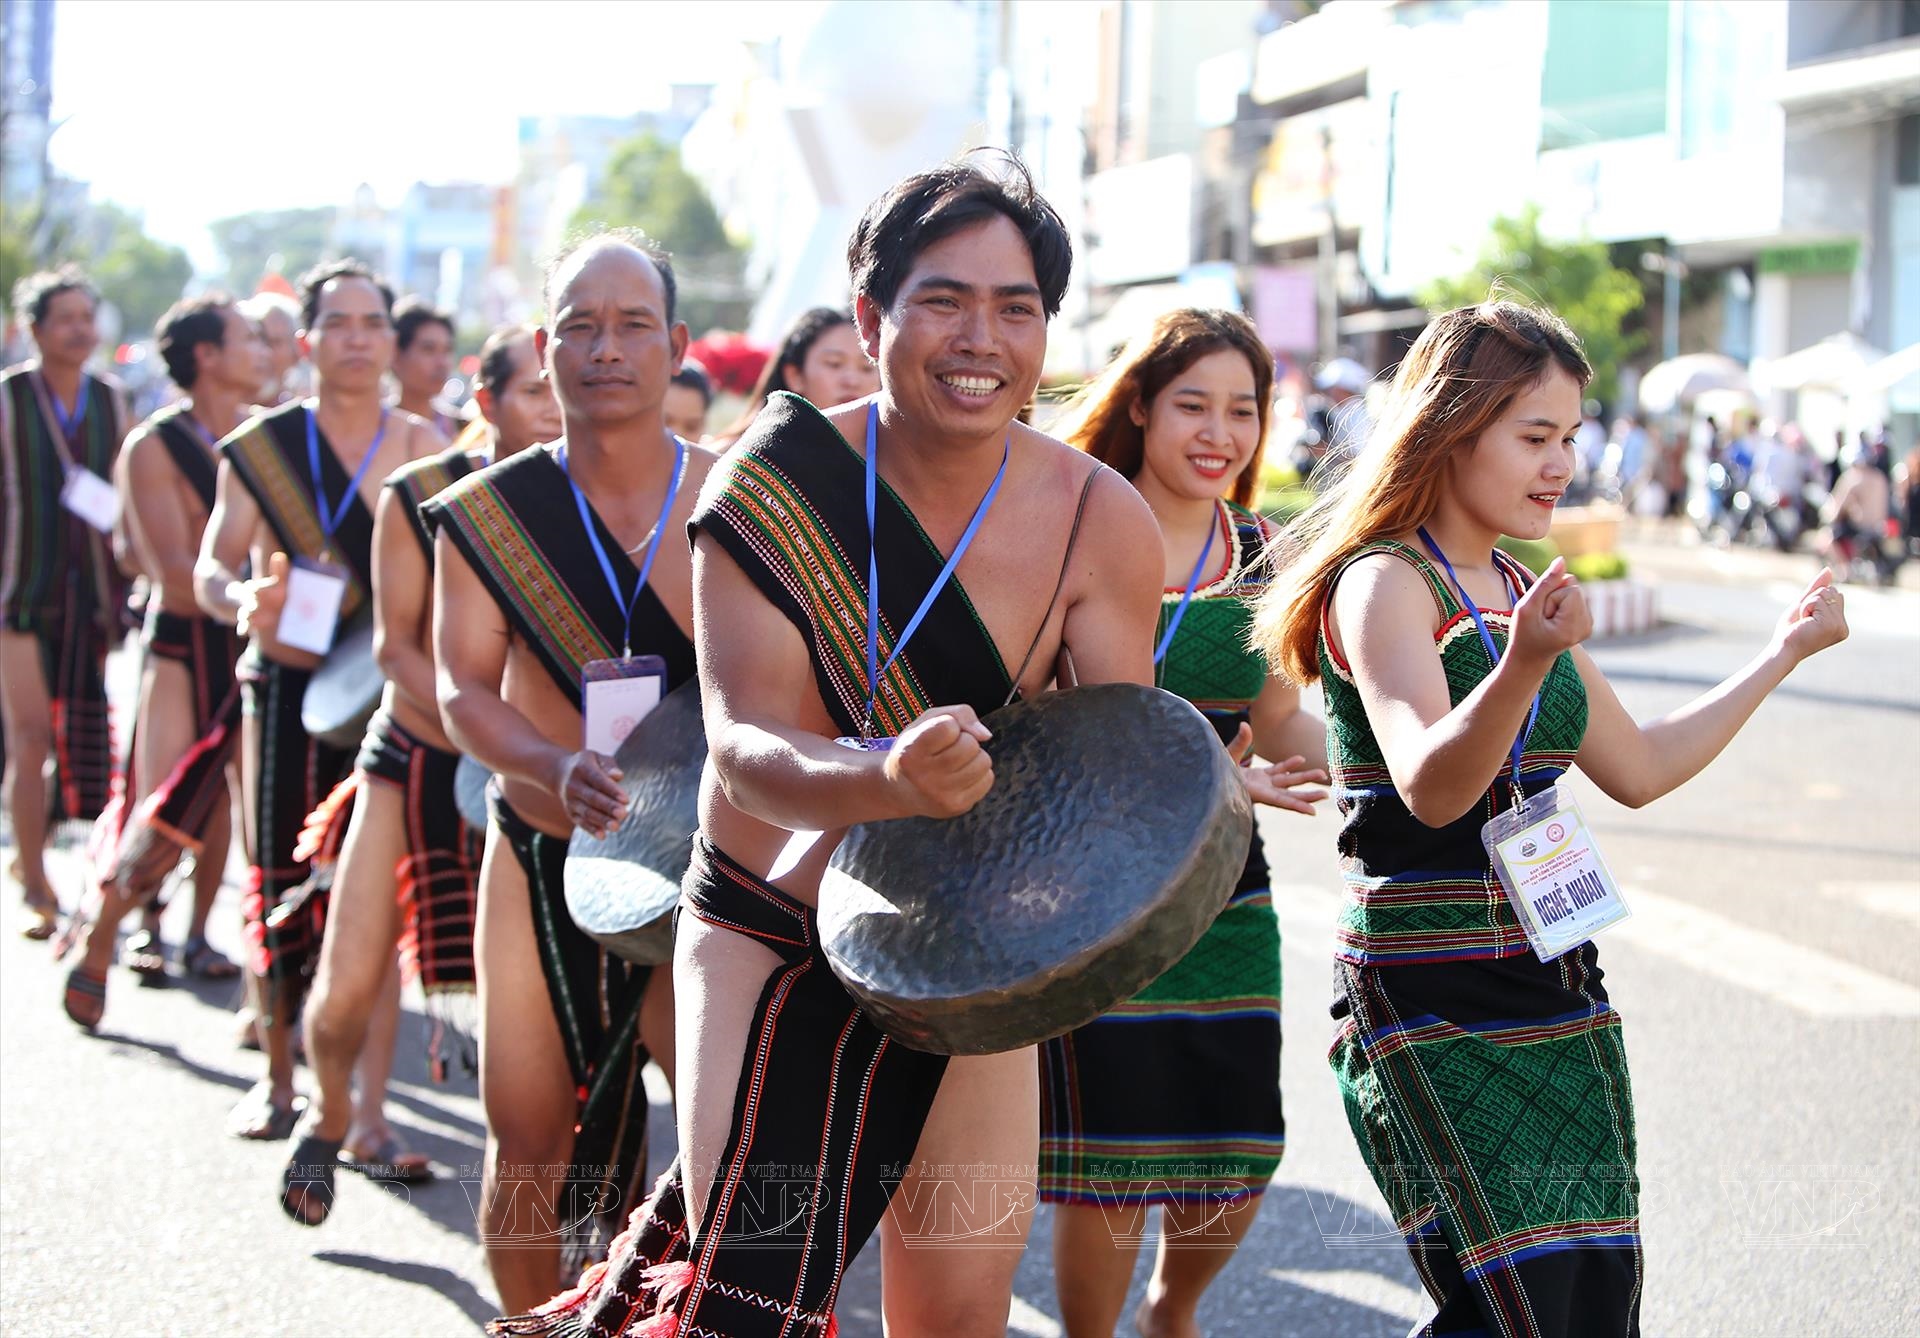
(166, 475)
(60, 591)
(784, 1084)
(422, 361)
(545, 564)
(404, 817)
(298, 486)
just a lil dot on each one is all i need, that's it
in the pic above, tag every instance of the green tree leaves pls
(646, 187)
(1575, 279)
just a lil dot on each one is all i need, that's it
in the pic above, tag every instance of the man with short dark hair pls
(60, 590)
(688, 399)
(558, 572)
(423, 340)
(170, 791)
(955, 272)
(294, 498)
(404, 818)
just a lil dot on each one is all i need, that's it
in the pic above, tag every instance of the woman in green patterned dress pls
(1486, 1085)
(1173, 1098)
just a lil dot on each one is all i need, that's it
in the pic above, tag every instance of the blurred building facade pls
(26, 66)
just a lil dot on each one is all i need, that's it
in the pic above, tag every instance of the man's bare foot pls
(378, 1154)
(44, 906)
(265, 1115)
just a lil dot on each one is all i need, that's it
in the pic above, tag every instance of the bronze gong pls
(470, 781)
(623, 890)
(344, 691)
(1111, 839)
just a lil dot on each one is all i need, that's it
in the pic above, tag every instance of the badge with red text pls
(1551, 869)
(616, 695)
(311, 615)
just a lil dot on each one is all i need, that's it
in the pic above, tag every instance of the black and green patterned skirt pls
(1174, 1096)
(1491, 1102)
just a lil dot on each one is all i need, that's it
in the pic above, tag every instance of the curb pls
(1622, 608)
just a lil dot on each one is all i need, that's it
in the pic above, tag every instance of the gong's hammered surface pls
(344, 691)
(1112, 837)
(622, 890)
(470, 781)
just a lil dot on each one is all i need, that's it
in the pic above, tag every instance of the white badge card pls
(617, 695)
(1552, 872)
(311, 614)
(91, 498)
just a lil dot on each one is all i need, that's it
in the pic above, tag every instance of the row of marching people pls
(895, 609)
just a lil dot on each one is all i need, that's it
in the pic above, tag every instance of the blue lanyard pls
(70, 422)
(653, 542)
(1493, 653)
(199, 430)
(1173, 624)
(330, 517)
(875, 669)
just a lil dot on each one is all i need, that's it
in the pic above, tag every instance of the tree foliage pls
(646, 187)
(1577, 279)
(270, 241)
(138, 275)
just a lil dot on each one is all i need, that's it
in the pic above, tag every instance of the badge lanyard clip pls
(875, 670)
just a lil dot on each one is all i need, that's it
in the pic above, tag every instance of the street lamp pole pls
(1671, 269)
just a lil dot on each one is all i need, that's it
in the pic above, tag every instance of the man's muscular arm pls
(163, 540)
(251, 606)
(470, 638)
(401, 598)
(764, 723)
(1109, 626)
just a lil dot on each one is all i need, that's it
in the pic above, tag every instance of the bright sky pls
(193, 110)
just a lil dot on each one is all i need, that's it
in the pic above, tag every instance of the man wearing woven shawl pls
(294, 497)
(555, 572)
(785, 1085)
(60, 593)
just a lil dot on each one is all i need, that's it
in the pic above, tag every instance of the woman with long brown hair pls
(820, 360)
(1173, 1098)
(1481, 1061)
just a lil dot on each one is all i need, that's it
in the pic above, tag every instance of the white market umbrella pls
(1678, 382)
(1889, 372)
(1831, 364)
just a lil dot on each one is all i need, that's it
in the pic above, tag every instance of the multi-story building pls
(823, 116)
(26, 85)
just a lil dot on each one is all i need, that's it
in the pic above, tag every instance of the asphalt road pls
(1770, 981)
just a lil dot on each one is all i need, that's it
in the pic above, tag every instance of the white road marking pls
(1901, 901)
(1804, 979)
(1883, 612)
(1025, 1318)
(1360, 1288)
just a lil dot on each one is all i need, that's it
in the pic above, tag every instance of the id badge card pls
(311, 614)
(91, 498)
(1551, 869)
(615, 696)
(860, 745)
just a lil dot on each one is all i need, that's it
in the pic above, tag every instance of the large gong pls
(470, 781)
(344, 691)
(623, 890)
(1111, 839)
